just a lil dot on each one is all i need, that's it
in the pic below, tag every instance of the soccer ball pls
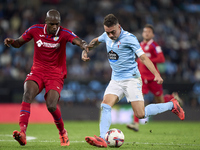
(114, 138)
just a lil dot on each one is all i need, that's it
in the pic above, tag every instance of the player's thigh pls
(53, 89)
(133, 89)
(52, 98)
(31, 89)
(138, 108)
(113, 93)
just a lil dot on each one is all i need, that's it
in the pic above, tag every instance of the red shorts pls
(168, 97)
(49, 81)
(152, 86)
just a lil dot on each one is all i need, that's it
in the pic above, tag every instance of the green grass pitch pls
(179, 135)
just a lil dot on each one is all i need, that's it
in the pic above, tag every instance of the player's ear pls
(119, 26)
(46, 21)
(153, 35)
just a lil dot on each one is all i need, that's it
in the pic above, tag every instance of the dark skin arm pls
(15, 43)
(93, 44)
(81, 43)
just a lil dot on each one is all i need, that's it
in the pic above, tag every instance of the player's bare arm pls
(15, 43)
(148, 63)
(93, 44)
(81, 43)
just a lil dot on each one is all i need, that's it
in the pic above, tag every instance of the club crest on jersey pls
(56, 38)
(118, 43)
(112, 56)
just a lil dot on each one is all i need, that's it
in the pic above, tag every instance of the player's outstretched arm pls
(14, 43)
(148, 63)
(93, 44)
(81, 43)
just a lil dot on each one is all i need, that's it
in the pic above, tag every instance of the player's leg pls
(159, 99)
(52, 95)
(31, 89)
(135, 125)
(168, 97)
(112, 95)
(152, 109)
(157, 90)
(105, 121)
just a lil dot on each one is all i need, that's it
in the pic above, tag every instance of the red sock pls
(24, 116)
(168, 97)
(58, 120)
(136, 120)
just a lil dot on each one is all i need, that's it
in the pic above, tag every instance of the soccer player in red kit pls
(154, 52)
(48, 70)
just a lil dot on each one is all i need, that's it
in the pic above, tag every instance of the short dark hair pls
(110, 20)
(149, 26)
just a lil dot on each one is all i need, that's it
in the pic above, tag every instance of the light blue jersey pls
(121, 55)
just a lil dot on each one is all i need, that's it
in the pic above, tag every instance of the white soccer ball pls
(114, 138)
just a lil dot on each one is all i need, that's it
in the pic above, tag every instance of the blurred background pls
(176, 23)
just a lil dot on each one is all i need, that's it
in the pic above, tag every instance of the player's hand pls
(8, 41)
(85, 56)
(158, 79)
(89, 47)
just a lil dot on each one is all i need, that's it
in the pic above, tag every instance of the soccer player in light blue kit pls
(125, 81)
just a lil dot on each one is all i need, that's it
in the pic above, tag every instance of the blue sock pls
(154, 109)
(105, 119)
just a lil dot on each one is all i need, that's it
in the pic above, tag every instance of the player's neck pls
(146, 40)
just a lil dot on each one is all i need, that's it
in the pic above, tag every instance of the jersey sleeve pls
(28, 34)
(68, 35)
(135, 45)
(102, 37)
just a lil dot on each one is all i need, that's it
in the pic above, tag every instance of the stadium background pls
(177, 26)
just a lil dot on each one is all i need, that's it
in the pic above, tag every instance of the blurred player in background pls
(154, 52)
(48, 70)
(125, 81)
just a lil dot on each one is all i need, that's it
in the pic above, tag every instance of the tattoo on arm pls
(94, 43)
(81, 43)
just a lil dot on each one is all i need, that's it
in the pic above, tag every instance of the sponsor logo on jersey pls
(56, 38)
(41, 35)
(48, 45)
(112, 56)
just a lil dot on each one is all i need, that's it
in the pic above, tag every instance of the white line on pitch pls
(48, 141)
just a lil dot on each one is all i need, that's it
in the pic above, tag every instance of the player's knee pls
(140, 115)
(27, 97)
(51, 106)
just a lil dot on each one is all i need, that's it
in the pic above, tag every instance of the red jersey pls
(154, 52)
(49, 50)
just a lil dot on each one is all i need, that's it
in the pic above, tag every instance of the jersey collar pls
(45, 30)
(122, 31)
(149, 42)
